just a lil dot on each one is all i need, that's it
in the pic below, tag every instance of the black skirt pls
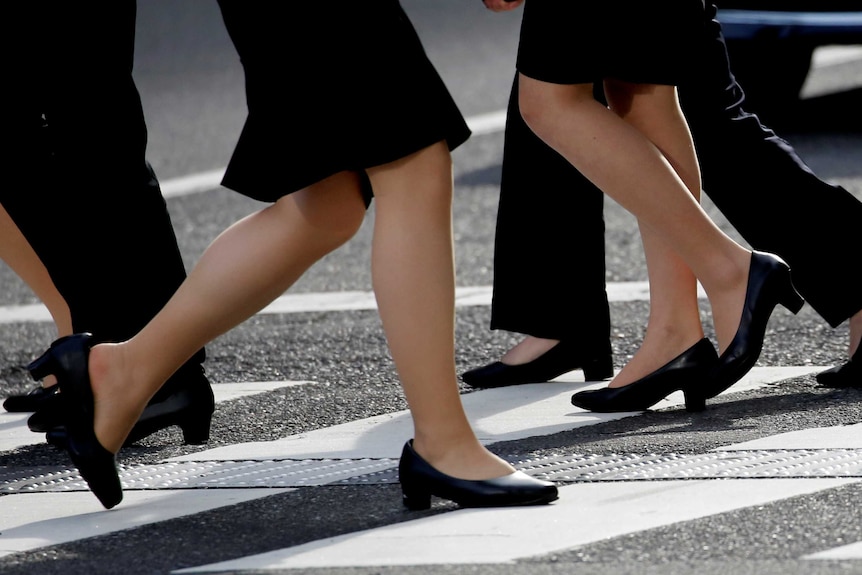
(582, 42)
(331, 86)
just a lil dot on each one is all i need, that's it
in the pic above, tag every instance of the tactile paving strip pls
(715, 465)
(205, 475)
(800, 463)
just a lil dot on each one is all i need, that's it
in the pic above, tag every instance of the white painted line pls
(832, 55)
(770, 375)
(585, 513)
(27, 313)
(348, 300)
(482, 124)
(836, 437)
(32, 520)
(464, 297)
(183, 186)
(843, 553)
(496, 414)
(227, 391)
(324, 301)
(487, 123)
(14, 432)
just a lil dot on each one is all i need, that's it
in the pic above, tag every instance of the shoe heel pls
(598, 369)
(196, 429)
(414, 500)
(694, 401)
(42, 366)
(790, 298)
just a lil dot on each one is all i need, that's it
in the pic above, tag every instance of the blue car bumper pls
(814, 28)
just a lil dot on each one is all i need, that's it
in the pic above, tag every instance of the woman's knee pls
(530, 103)
(334, 205)
(541, 102)
(423, 178)
(646, 101)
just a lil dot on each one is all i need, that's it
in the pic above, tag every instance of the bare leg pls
(414, 282)
(18, 254)
(258, 258)
(244, 269)
(569, 119)
(674, 322)
(16, 251)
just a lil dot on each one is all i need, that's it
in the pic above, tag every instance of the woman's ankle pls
(465, 459)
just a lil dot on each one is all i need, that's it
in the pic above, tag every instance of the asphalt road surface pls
(298, 476)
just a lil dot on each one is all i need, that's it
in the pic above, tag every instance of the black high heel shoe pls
(561, 358)
(67, 359)
(846, 375)
(769, 284)
(185, 401)
(189, 406)
(419, 481)
(33, 400)
(685, 373)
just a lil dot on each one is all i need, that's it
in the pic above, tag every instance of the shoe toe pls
(31, 401)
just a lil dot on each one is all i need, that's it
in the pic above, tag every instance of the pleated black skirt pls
(331, 86)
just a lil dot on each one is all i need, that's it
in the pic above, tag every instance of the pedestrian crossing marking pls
(501, 414)
(845, 552)
(32, 520)
(348, 301)
(834, 437)
(585, 513)
(14, 432)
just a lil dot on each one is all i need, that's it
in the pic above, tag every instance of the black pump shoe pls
(769, 284)
(847, 375)
(186, 401)
(687, 372)
(561, 358)
(67, 359)
(33, 400)
(419, 481)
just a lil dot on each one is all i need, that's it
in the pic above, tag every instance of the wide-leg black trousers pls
(76, 178)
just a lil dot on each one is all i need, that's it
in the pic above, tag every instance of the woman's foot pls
(462, 456)
(67, 359)
(536, 360)
(185, 401)
(768, 285)
(685, 372)
(117, 402)
(475, 484)
(660, 346)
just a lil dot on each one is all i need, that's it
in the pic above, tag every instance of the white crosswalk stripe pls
(29, 521)
(345, 301)
(586, 512)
